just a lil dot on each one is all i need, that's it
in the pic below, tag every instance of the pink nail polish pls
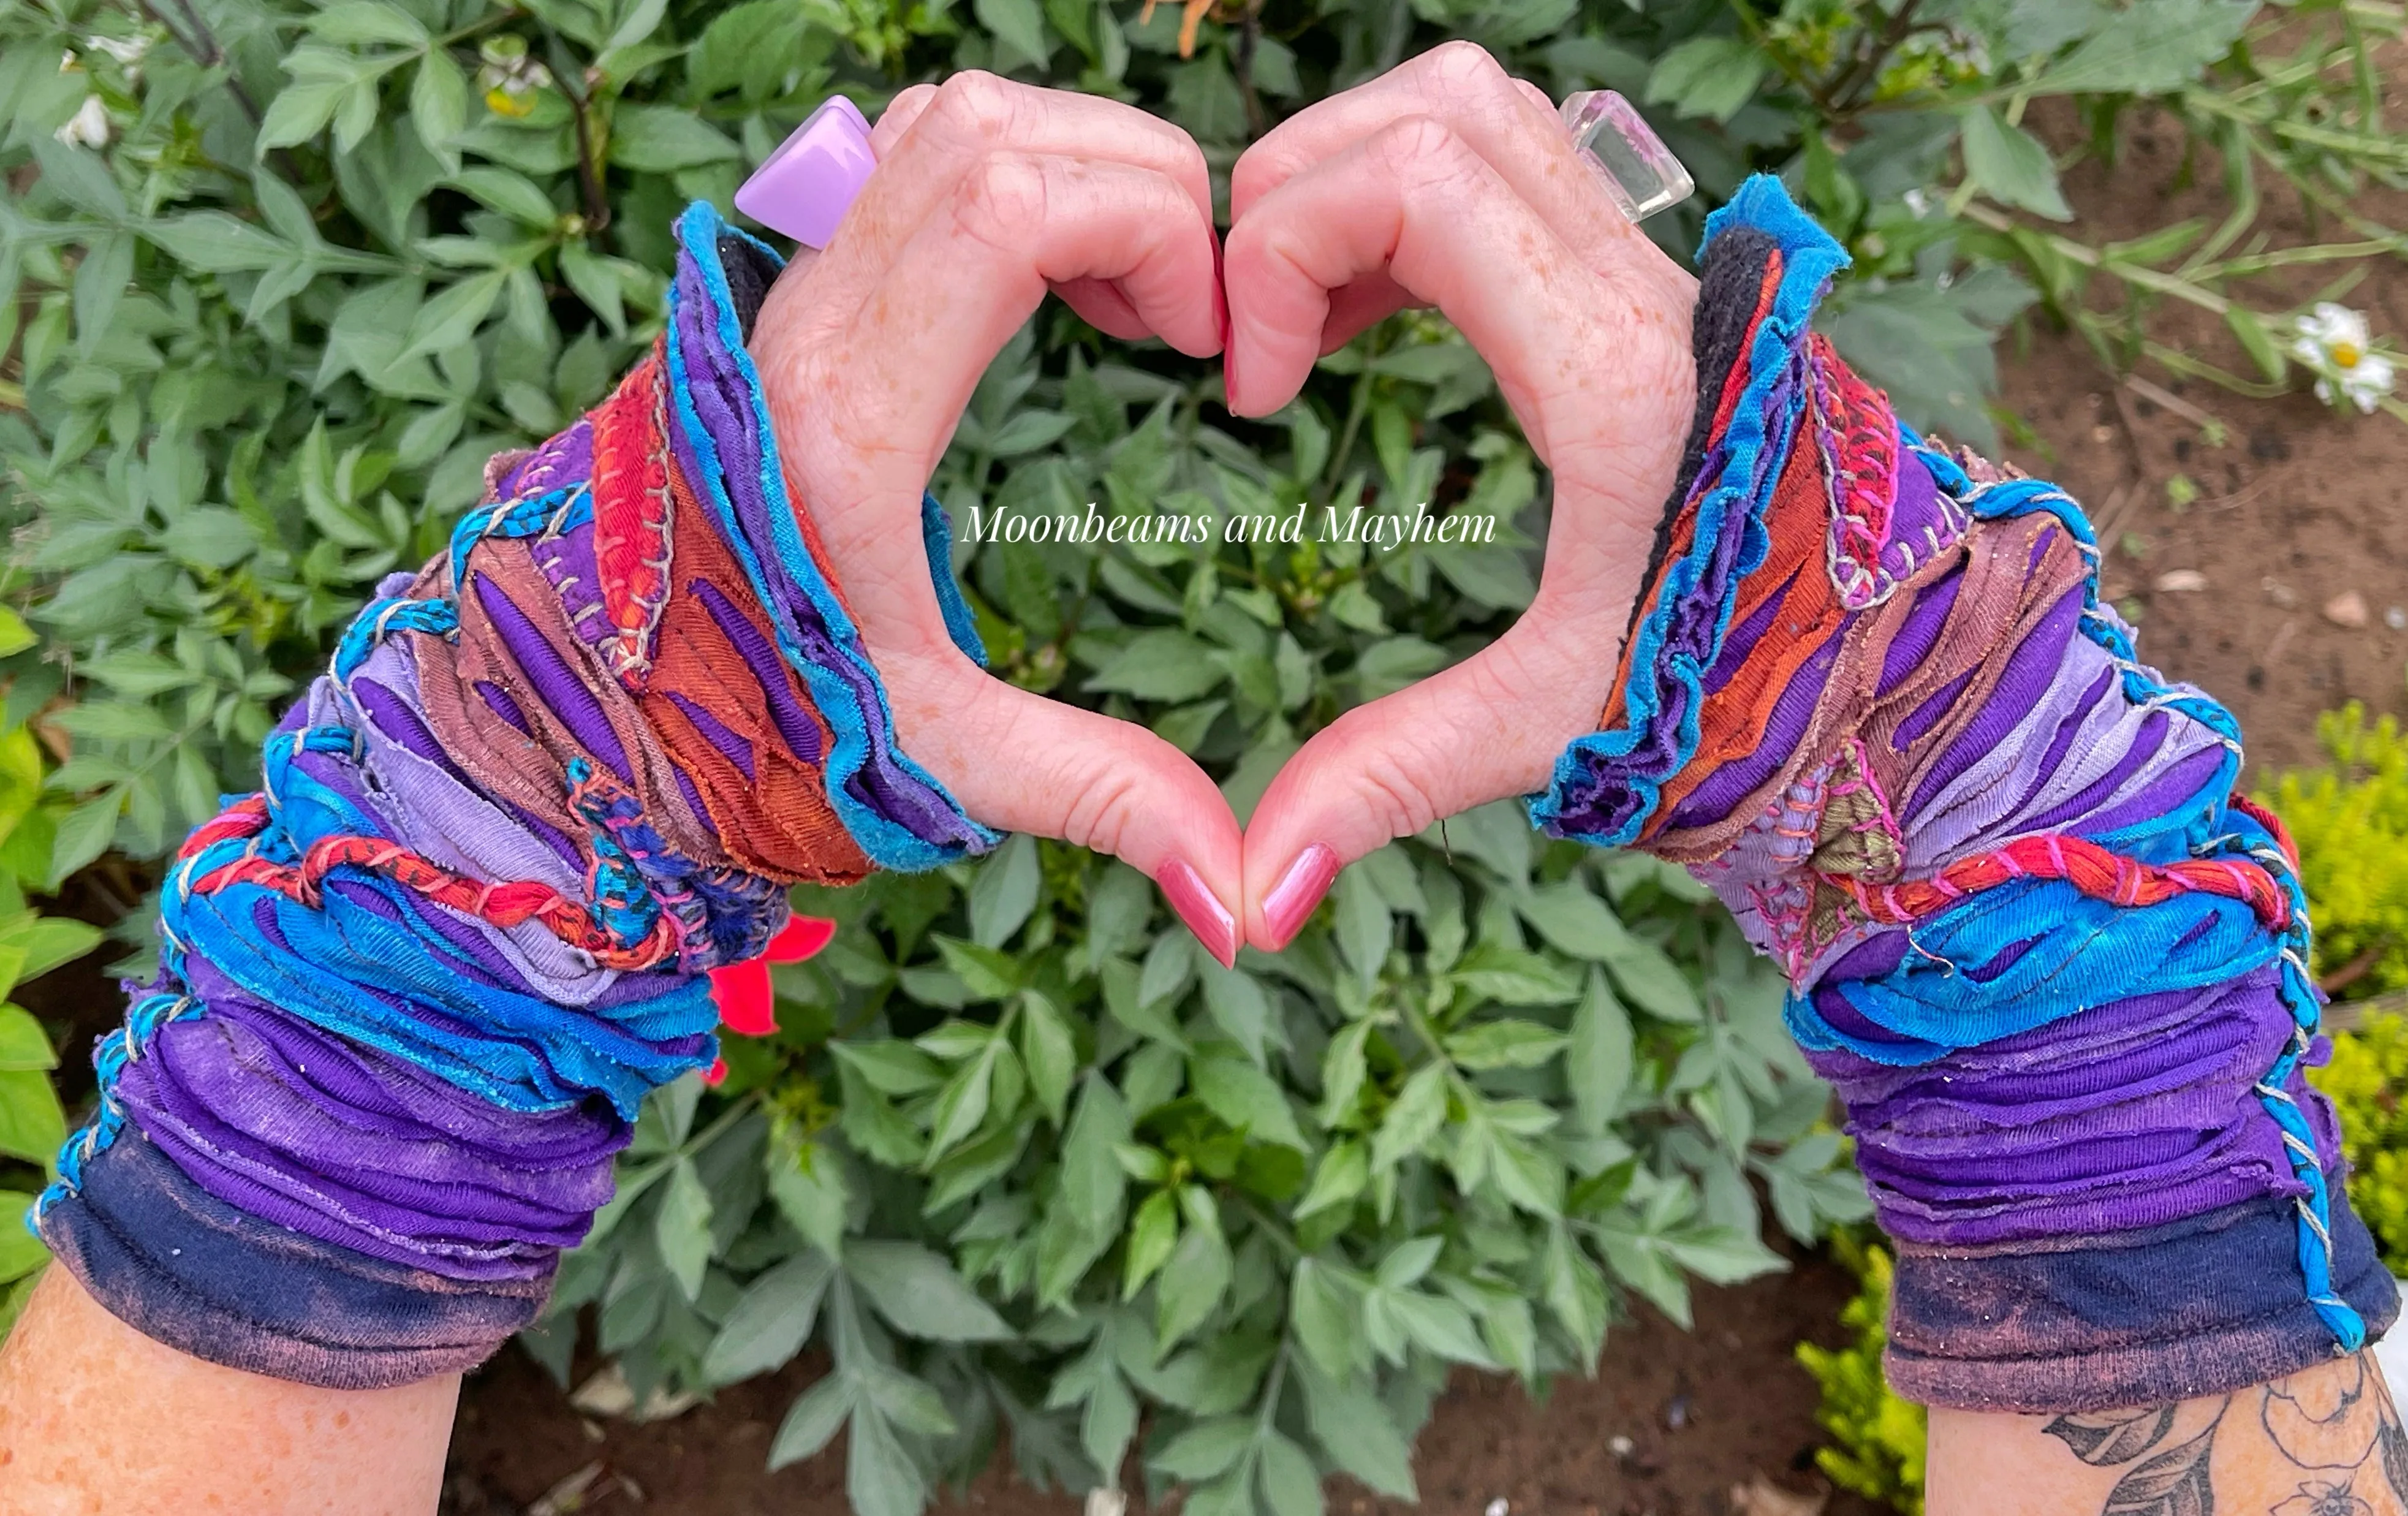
(1290, 901)
(1200, 909)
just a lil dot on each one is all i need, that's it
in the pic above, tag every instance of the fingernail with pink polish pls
(1200, 909)
(1290, 901)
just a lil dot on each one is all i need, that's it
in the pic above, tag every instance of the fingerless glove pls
(411, 994)
(2057, 968)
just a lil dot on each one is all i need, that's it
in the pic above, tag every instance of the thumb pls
(1020, 762)
(1488, 728)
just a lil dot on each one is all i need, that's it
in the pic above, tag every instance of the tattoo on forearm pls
(2335, 1426)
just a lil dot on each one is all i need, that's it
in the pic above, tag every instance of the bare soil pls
(1704, 1410)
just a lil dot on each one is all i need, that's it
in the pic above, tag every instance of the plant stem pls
(2090, 257)
(589, 172)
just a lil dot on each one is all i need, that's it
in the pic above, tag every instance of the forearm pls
(2327, 1441)
(97, 1418)
(2053, 966)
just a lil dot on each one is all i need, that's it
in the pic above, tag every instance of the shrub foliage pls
(281, 276)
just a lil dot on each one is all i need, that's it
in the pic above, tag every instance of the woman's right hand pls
(986, 194)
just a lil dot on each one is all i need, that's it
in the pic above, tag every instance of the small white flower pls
(88, 127)
(128, 50)
(2336, 342)
(1918, 200)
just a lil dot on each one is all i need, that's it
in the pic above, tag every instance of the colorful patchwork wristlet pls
(413, 993)
(2055, 966)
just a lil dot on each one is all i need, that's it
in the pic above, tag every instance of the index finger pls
(1506, 120)
(944, 132)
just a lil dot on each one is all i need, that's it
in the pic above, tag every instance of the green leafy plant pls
(281, 276)
(2350, 821)
(1877, 1439)
(32, 1122)
(2366, 1079)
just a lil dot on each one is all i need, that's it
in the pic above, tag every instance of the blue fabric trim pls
(937, 531)
(1758, 438)
(888, 844)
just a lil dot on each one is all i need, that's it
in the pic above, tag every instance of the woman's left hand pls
(1447, 182)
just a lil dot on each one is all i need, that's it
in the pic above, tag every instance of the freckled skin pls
(97, 1420)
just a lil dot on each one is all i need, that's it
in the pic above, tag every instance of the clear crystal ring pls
(1638, 171)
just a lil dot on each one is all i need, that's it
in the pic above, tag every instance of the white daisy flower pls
(88, 127)
(129, 51)
(2336, 342)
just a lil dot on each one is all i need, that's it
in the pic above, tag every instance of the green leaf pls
(1005, 891)
(1238, 1005)
(367, 23)
(1191, 1285)
(438, 104)
(20, 1251)
(1655, 983)
(1290, 1484)
(2250, 332)
(1160, 665)
(962, 1104)
(920, 1293)
(2009, 165)
(1598, 1060)
(1344, 1172)
(1707, 76)
(513, 194)
(807, 1182)
(1364, 931)
(1244, 1097)
(771, 1320)
(1358, 1432)
(2150, 46)
(681, 1227)
(1575, 1292)
(22, 1044)
(1325, 1320)
(880, 1478)
(662, 140)
(1441, 1327)
(1344, 1069)
(990, 973)
(1504, 1044)
(1019, 25)
(1152, 1235)
(1048, 1053)
(1416, 1116)
(891, 1066)
(1573, 920)
(812, 1421)
(1514, 978)
(1205, 1449)
(32, 1125)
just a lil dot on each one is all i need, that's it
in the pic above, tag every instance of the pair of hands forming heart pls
(1445, 183)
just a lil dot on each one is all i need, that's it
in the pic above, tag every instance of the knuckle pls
(1002, 202)
(1421, 148)
(977, 105)
(1452, 69)
(1101, 813)
(1387, 779)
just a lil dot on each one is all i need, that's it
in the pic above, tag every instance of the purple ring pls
(804, 187)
